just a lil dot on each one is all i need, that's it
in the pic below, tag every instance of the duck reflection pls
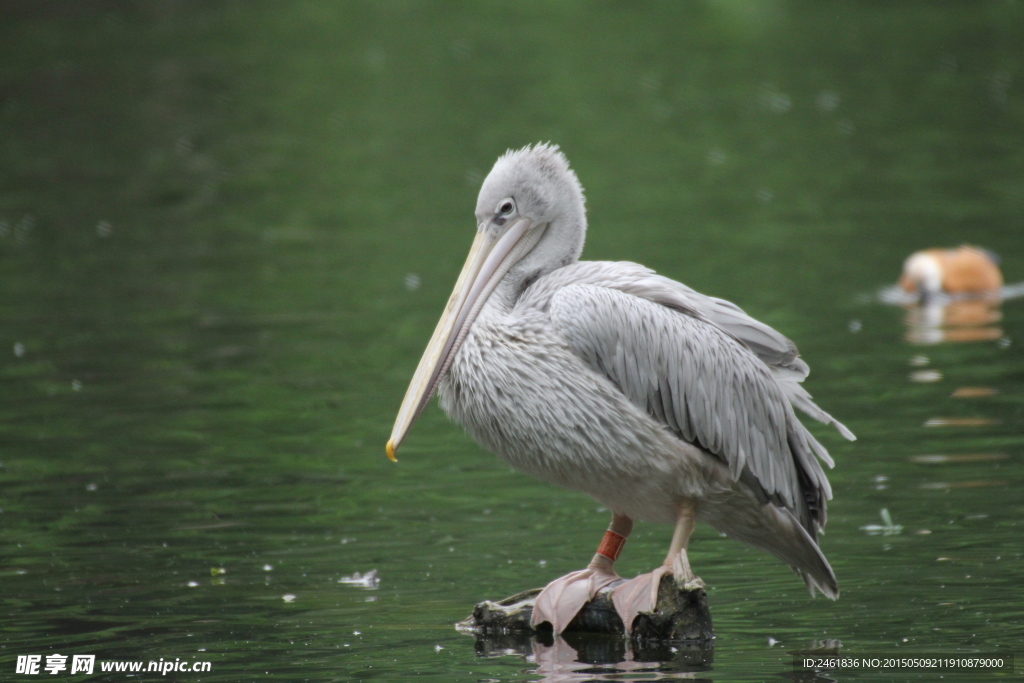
(938, 318)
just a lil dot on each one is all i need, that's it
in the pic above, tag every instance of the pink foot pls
(638, 595)
(563, 598)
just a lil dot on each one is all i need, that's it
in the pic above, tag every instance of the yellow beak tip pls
(390, 450)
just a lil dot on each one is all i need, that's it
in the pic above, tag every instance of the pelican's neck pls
(506, 294)
(559, 246)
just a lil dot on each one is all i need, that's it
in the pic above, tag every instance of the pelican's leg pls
(641, 593)
(680, 563)
(563, 598)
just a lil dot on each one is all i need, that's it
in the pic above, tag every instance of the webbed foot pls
(563, 598)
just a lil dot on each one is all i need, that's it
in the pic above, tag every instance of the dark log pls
(680, 616)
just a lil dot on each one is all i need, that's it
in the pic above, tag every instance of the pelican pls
(661, 403)
(965, 270)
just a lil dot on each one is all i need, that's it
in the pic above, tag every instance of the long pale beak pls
(489, 260)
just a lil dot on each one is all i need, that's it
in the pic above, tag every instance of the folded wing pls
(709, 372)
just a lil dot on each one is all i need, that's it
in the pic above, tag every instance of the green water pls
(209, 216)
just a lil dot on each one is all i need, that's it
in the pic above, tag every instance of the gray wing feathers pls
(772, 348)
(801, 399)
(702, 383)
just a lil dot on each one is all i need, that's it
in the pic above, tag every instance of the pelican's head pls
(535, 183)
(530, 221)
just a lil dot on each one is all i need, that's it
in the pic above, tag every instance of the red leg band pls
(611, 545)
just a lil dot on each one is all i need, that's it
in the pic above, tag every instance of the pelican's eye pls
(506, 207)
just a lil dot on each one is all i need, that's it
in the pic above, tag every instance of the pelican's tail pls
(776, 530)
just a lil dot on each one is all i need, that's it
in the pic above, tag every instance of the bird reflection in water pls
(598, 660)
(578, 657)
(586, 658)
(943, 319)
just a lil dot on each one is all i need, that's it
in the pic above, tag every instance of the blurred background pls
(227, 230)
